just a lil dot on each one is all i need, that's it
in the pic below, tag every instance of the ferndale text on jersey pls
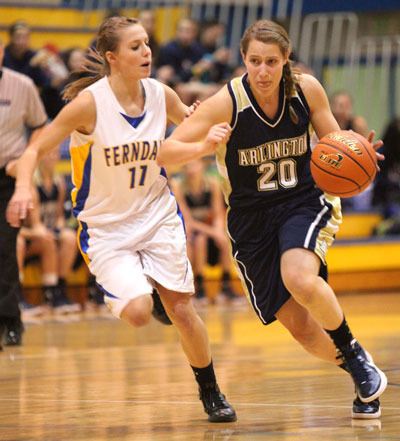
(281, 148)
(132, 152)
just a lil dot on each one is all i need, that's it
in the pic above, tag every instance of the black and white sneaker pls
(158, 311)
(369, 380)
(216, 406)
(366, 411)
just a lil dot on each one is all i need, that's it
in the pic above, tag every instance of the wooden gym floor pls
(91, 377)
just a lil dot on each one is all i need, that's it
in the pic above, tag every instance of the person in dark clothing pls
(279, 223)
(386, 193)
(18, 55)
(183, 52)
(20, 108)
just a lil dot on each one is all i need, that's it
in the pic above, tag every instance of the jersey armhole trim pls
(301, 97)
(234, 112)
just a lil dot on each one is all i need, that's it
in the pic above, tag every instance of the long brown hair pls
(268, 31)
(96, 65)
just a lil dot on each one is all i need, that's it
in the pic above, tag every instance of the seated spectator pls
(148, 20)
(180, 54)
(342, 108)
(36, 241)
(215, 66)
(18, 54)
(386, 194)
(200, 199)
(212, 70)
(48, 237)
(48, 59)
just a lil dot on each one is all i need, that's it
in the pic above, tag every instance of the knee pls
(48, 241)
(137, 315)
(301, 286)
(183, 315)
(68, 237)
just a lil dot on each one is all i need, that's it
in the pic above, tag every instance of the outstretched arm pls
(199, 134)
(80, 115)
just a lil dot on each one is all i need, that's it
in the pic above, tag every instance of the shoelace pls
(213, 398)
(362, 370)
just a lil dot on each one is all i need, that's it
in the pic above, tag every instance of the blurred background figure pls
(342, 108)
(212, 70)
(200, 199)
(48, 237)
(387, 185)
(341, 104)
(177, 57)
(18, 54)
(148, 20)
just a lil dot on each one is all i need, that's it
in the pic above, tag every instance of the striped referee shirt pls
(20, 109)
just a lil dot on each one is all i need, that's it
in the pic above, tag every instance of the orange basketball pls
(343, 163)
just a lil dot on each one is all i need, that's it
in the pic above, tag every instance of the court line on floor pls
(183, 403)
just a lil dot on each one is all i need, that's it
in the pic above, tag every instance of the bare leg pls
(307, 331)
(67, 252)
(300, 268)
(194, 340)
(138, 311)
(191, 329)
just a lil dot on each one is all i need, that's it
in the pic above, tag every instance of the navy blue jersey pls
(266, 161)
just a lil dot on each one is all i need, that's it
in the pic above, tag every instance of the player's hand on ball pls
(376, 145)
(218, 134)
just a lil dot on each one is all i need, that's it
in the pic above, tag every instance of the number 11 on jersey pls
(142, 176)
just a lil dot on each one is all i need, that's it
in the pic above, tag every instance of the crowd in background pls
(196, 64)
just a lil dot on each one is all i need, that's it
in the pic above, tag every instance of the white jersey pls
(114, 169)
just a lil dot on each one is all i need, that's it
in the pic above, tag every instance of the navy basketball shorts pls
(259, 237)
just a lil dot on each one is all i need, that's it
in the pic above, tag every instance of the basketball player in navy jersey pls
(280, 224)
(130, 232)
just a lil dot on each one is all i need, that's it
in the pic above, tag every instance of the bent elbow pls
(161, 155)
(160, 160)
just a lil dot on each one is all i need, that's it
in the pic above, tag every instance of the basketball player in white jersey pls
(130, 234)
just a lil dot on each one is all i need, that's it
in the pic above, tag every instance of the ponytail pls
(96, 65)
(92, 70)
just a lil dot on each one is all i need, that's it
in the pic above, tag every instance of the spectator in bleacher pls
(341, 104)
(18, 54)
(74, 58)
(148, 20)
(44, 66)
(48, 59)
(46, 236)
(387, 186)
(200, 199)
(212, 70)
(36, 241)
(52, 195)
(216, 68)
(20, 109)
(177, 58)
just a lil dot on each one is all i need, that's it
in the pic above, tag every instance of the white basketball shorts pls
(127, 257)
